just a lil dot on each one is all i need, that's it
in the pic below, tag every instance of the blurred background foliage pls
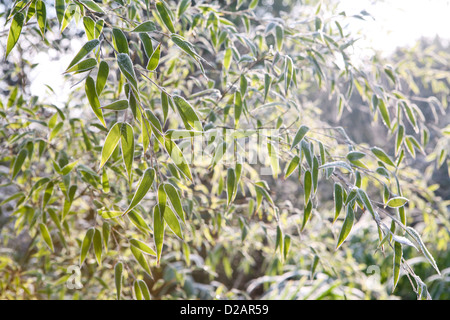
(228, 252)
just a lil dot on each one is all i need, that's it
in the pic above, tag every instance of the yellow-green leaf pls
(46, 236)
(14, 32)
(144, 185)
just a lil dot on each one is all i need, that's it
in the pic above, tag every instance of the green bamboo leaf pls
(117, 105)
(243, 85)
(83, 66)
(41, 16)
(18, 162)
(237, 107)
(140, 258)
(231, 179)
(144, 290)
(68, 168)
(367, 204)
(98, 28)
(175, 200)
(153, 61)
(400, 138)
(14, 32)
(106, 231)
(98, 246)
(279, 239)
(120, 41)
(60, 6)
(165, 104)
(91, 5)
(293, 164)
(288, 73)
(416, 236)
(279, 34)
(177, 157)
(172, 221)
(397, 202)
(338, 200)
(46, 236)
(147, 43)
(118, 278)
(301, 132)
(158, 231)
(127, 146)
(143, 247)
(267, 84)
(126, 67)
(182, 7)
(380, 154)
(89, 26)
(102, 77)
(147, 26)
(137, 290)
(84, 51)
(187, 113)
(47, 194)
(398, 253)
(144, 185)
(86, 244)
(111, 141)
(306, 214)
(165, 17)
(384, 113)
(346, 226)
(286, 245)
(315, 173)
(227, 58)
(93, 99)
(355, 155)
(138, 221)
(274, 162)
(307, 185)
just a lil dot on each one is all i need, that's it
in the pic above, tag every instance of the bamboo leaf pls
(84, 51)
(147, 26)
(83, 66)
(231, 179)
(153, 61)
(158, 231)
(187, 113)
(18, 162)
(126, 67)
(397, 202)
(41, 16)
(172, 222)
(98, 246)
(117, 105)
(380, 154)
(346, 226)
(144, 185)
(165, 17)
(127, 146)
(111, 141)
(102, 77)
(174, 199)
(398, 253)
(143, 247)
(93, 99)
(118, 278)
(91, 5)
(338, 200)
(301, 132)
(140, 258)
(14, 32)
(86, 244)
(46, 236)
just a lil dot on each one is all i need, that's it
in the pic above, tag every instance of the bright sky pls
(397, 23)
